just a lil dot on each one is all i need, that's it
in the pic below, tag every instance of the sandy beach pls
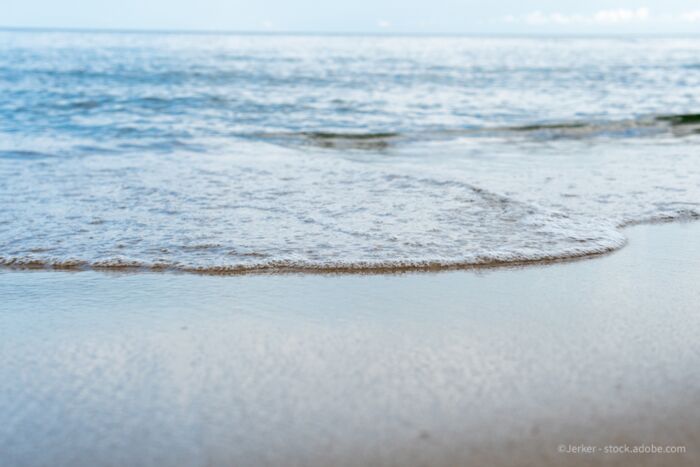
(507, 366)
(319, 242)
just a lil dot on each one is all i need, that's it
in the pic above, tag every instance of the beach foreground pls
(506, 366)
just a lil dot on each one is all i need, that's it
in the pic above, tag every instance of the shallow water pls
(488, 367)
(235, 153)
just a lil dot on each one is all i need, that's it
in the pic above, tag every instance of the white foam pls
(265, 208)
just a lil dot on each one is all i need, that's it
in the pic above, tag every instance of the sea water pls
(235, 153)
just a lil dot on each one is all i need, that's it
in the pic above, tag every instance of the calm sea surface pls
(235, 153)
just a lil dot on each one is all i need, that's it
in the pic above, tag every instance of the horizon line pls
(62, 29)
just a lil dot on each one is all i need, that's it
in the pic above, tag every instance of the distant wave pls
(321, 135)
(334, 140)
(681, 119)
(678, 125)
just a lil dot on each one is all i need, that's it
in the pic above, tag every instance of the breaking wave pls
(679, 125)
(282, 210)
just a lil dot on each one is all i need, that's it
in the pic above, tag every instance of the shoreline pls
(428, 267)
(487, 366)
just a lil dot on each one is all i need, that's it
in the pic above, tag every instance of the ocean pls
(225, 153)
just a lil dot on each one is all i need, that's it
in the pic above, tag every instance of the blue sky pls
(390, 16)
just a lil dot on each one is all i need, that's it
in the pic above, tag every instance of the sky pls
(368, 16)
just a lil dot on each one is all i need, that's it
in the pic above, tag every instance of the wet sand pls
(490, 367)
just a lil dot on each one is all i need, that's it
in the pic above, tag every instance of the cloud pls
(621, 15)
(691, 16)
(617, 16)
(382, 23)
